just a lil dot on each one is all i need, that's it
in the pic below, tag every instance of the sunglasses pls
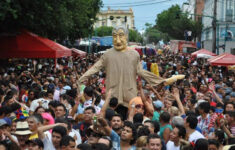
(138, 106)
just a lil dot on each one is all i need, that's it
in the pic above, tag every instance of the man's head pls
(191, 122)
(204, 107)
(35, 144)
(88, 92)
(3, 125)
(154, 142)
(177, 121)
(34, 122)
(213, 144)
(177, 133)
(230, 106)
(60, 111)
(22, 132)
(92, 136)
(116, 122)
(88, 114)
(107, 141)
(230, 117)
(67, 143)
(128, 133)
(165, 117)
(120, 38)
(113, 102)
(58, 133)
(138, 118)
(150, 125)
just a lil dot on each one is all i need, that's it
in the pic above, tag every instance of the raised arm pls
(106, 103)
(177, 98)
(147, 104)
(42, 129)
(211, 87)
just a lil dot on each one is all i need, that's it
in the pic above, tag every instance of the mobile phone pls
(95, 120)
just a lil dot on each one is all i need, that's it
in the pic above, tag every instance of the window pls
(207, 35)
(229, 15)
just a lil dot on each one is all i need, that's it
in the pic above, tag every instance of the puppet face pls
(119, 39)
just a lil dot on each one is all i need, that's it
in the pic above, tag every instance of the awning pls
(203, 51)
(223, 60)
(78, 53)
(29, 45)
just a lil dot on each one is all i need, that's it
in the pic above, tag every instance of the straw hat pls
(22, 128)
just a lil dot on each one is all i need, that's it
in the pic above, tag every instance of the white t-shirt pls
(171, 146)
(89, 103)
(35, 104)
(195, 136)
(76, 133)
(101, 103)
(48, 145)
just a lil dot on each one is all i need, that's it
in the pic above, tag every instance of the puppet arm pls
(154, 80)
(94, 69)
(151, 78)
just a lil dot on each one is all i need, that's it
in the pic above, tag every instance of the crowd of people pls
(43, 107)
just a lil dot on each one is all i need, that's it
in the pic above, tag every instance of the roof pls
(29, 45)
(225, 59)
(203, 51)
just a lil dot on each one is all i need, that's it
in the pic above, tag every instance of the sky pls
(146, 11)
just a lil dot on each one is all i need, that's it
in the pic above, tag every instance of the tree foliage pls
(153, 35)
(103, 31)
(135, 36)
(55, 19)
(174, 23)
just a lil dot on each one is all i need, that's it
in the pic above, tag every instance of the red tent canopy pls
(223, 60)
(29, 45)
(78, 53)
(203, 51)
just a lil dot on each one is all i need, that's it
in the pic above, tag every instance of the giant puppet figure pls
(122, 66)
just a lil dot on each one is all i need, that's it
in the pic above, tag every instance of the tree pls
(103, 31)
(153, 35)
(134, 36)
(174, 23)
(55, 19)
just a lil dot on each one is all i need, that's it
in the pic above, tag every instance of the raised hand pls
(139, 85)
(176, 93)
(212, 86)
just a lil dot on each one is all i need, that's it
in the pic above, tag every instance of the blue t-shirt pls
(116, 142)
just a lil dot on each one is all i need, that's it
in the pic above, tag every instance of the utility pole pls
(214, 27)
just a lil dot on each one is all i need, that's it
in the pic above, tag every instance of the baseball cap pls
(228, 90)
(158, 104)
(217, 86)
(8, 121)
(2, 122)
(232, 94)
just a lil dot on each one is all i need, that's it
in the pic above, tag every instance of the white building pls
(118, 18)
(189, 7)
(225, 22)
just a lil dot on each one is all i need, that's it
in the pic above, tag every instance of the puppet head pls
(120, 38)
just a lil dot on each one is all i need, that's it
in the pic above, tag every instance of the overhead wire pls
(130, 3)
(136, 5)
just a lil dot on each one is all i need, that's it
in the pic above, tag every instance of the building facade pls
(225, 26)
(119, 18)
(194, 8)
